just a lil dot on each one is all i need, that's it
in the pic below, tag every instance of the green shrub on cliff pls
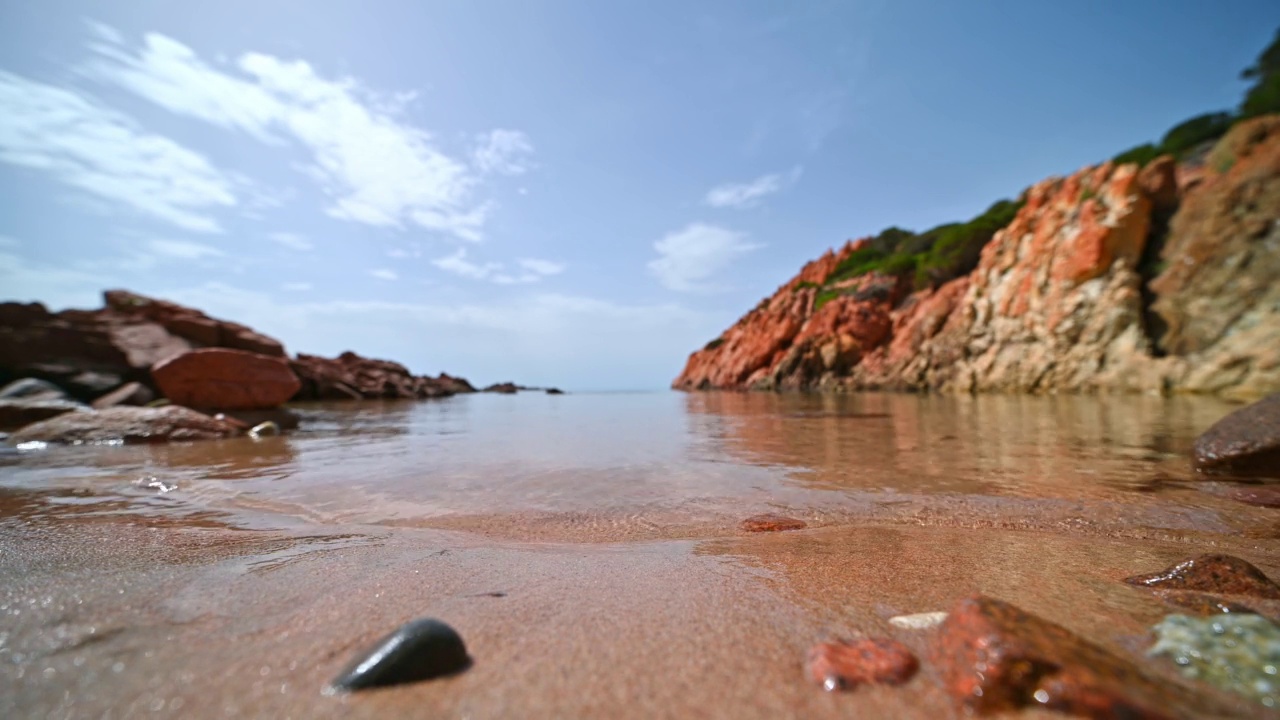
(1264, 96)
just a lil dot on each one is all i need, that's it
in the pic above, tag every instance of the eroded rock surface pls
(126, 424)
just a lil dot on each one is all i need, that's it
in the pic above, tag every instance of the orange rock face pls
(225, 379)
(1062, 298)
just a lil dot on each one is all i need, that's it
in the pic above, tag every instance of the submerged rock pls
(1263, 496)
(843, 665)
(418, 650)
(225, 379)
(771, 522)
(1202, 604)
(126, 425)
(1212, 573)
(995, 657)
(1246, 442)
(1240, 653)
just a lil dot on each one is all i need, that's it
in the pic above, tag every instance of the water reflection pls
(1016, 445)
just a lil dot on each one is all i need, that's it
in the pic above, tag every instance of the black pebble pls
(419, 650)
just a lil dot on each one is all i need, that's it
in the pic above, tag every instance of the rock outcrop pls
(126, 425)
(352, 377)
(106, 356)
(1115, 278)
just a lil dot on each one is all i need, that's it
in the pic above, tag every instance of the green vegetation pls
(935, 256)
(804, 284)
(1262, 98)
(714, 344)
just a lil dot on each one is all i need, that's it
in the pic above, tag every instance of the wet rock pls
(996, 657)
(1212, 573)
(505, 388)
(1245, 442)
(1261, 495)
(418, 650)
(125, 424)
(227, 379)
(32, 389)
(133, 393)
(352, 377)
(771, 522)
(19, 412)
(1239, 653)
(1203, 604)
(843, 665)
(266, 429)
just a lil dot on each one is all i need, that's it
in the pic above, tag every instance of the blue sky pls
(568, 192)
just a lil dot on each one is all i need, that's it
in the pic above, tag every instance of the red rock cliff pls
(1059, 300)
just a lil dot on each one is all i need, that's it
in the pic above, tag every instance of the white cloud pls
(292, 241)
(376, 168)
(384, 274)
(541, 267)
(103, 152)
(532, 269)
(183, 249)
(745, 195)
(458, 264)
(8, 242)
(296, 286)
(689, 257)
(504, 152)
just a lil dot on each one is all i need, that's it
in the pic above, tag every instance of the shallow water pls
(603, 526)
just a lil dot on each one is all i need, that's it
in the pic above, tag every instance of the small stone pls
(771, 522)
(266, 429)
(918, 621)
(1246, 442)
(1239, 653)
(1212, 573)
(418, 650)
(995, 657)
(843, 665)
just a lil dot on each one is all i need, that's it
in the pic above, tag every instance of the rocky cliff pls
(1115, 278)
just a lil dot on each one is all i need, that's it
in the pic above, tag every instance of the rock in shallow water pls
(227, 379)
(418, 650)
(1240, 653)
(771, 522)
(1212, 573)
(996, 657)
(1246, 442)
(127, 425)
(843, 665)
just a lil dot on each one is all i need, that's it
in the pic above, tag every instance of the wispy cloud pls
(104, 152)
(183, 249)
(531, 269)
(293, 241)
(505, 152)
(384, 274)
(748, 194)
(688, 258)
(376, 168)
(296, 286)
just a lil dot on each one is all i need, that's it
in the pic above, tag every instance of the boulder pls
(1246, 442)
(126, 424)
(225, 379)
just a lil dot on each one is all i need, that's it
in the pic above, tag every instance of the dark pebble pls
(419, 650)
(1212, 573)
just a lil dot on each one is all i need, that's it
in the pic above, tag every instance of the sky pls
(556, 192)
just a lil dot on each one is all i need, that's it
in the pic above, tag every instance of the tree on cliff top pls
(1264, 96)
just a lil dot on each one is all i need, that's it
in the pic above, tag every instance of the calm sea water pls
(660, 460)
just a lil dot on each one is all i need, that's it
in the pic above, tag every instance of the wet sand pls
(125, 603)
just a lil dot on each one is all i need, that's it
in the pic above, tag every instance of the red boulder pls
(225, 379)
